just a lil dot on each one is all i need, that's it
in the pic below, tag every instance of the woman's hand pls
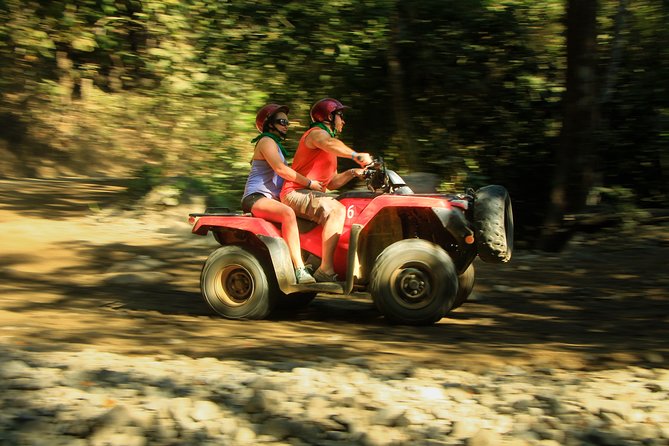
(316, 185)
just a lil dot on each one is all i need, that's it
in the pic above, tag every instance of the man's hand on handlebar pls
(359, 173)
(363, 159)
(371, 168)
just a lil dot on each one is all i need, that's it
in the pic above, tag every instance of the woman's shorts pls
(249, 200)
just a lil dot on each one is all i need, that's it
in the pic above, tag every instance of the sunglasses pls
(282, 121)
(339, 113)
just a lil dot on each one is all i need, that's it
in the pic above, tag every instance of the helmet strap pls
(282, 134)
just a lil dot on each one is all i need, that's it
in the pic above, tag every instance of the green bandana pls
(332, 133)
(276, 139)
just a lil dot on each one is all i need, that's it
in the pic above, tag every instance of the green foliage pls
(635, 141)
(470, 90)
(621, 202)
(219, 191)
(148, 177)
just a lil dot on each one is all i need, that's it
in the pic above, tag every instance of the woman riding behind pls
(268, 172)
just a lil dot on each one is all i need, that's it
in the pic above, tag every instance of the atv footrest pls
(320, 287)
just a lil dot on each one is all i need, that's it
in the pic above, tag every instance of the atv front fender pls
(456, 224)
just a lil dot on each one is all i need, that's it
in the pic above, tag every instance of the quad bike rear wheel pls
(234, 284)
(493, 220)
(414, 282)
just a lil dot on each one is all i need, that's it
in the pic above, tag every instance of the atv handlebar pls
(373, 166)
(375, 175)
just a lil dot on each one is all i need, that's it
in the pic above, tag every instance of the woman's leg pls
(278, 212)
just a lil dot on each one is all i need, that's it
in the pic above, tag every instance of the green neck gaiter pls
(276, 139)
(332, 133)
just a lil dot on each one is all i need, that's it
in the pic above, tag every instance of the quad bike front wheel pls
(465, 286)
(234, 284)
(414, 282)
(493, 220)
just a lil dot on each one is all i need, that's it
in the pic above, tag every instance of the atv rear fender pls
(252, 231)
(266, 238)
(215, 223)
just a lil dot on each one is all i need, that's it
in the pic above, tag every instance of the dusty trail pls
(75, 273)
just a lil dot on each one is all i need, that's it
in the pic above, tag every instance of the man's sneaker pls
(303, 276)
(320, 276)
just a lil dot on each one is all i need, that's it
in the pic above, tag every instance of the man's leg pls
(332, 229)
(329, 213)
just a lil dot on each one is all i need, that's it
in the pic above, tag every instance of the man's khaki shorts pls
(312, 205)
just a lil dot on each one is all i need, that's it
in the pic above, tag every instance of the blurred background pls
(565, 103)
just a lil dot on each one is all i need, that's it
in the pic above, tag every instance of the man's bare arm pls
(322, 140)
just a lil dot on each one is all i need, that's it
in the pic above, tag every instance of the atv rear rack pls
(219, 212)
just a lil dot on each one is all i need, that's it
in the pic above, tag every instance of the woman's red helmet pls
(322, 110)
(267, 112)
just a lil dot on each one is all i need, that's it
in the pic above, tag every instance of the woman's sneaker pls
(303, 276)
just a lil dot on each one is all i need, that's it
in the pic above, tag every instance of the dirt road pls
(76, 272)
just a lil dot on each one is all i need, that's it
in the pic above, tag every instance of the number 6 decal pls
(350, 211)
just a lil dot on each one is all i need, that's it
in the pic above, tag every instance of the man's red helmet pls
(323, 109)
(267, 112)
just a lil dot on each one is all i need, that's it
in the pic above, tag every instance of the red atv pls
(412, 252)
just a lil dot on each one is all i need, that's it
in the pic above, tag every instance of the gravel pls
(96, 398)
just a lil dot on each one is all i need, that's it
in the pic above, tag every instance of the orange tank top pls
(315, 164)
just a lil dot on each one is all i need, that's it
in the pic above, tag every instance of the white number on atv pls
(350, 212)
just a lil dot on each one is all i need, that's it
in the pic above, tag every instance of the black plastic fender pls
(285, 274)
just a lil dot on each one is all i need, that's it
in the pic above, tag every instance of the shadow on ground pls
(597, 304)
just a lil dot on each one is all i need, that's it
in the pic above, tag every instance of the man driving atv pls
(316, 158)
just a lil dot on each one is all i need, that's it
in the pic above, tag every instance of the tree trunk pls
(406, 156)
(616, 52)
(573, 174)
